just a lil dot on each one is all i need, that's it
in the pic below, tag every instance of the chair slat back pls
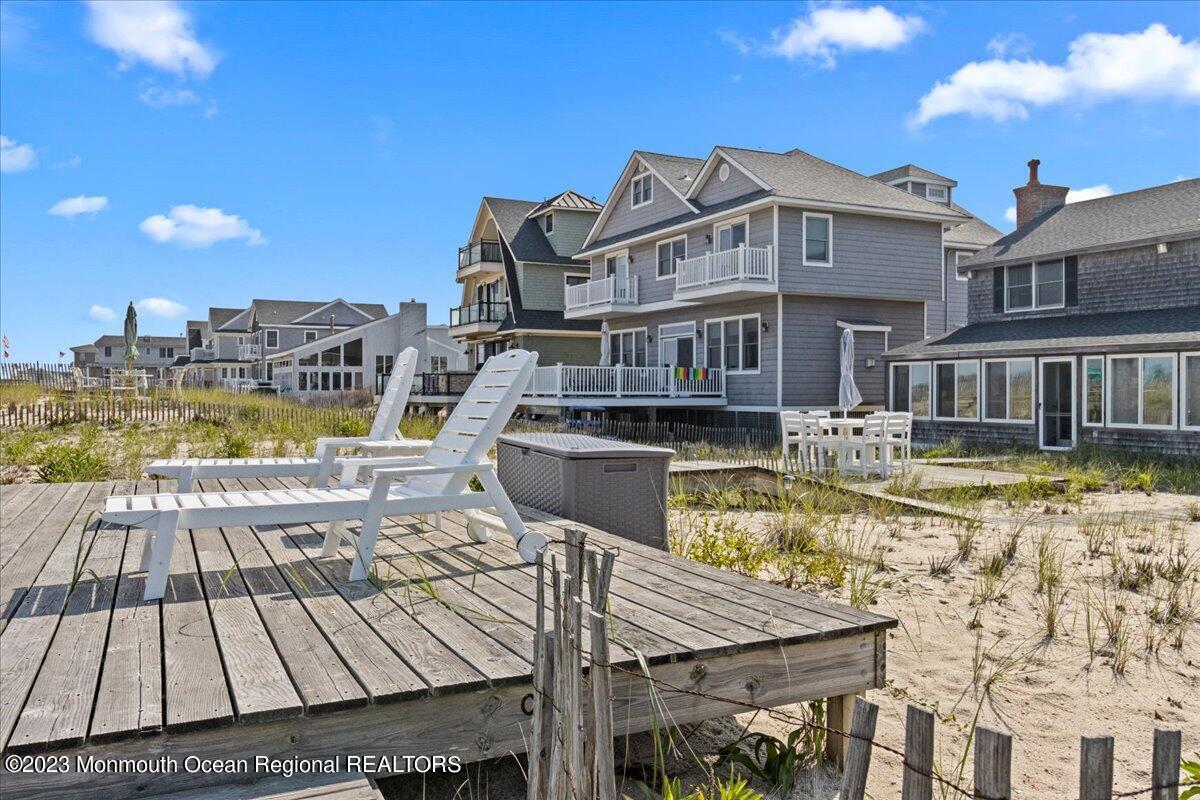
(395, 395)
(480, 417)
(899, 424)
(874, 426)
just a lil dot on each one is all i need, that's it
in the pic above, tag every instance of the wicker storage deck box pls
(615, 486)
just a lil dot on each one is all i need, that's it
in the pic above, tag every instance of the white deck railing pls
(753, 264)
(247, 351)
(612, 290)
(564, 380)
(203, 354)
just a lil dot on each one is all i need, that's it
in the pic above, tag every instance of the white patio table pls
(841, 429)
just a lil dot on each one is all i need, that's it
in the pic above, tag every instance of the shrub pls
(235, 444)
(351, 426)
(71, 463)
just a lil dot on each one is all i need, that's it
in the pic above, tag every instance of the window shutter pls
(998, 290)
(1071, 280)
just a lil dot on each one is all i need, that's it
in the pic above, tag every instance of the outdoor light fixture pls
(708, 238)
(1162, 248)
(766, 328)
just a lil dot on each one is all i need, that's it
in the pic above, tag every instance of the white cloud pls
(74, 206)
(70, 163)
(831, 30)
(158, 97)
(157, 32)
(1003, 45)
(161, 307)
(1099, 67)
(1010, 214)
(16, 157)
(193, 226)
(736, 40)
(1073, 196)
(101, 313)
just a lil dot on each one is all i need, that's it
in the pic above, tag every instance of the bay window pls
(733, 344)
(1141, 391)
(910, 389)
(1008, 392)
(957, 390)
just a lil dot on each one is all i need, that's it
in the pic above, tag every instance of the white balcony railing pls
(248, 351)
(203, 354)
(614, 291)
(564, 380)
(750, 264)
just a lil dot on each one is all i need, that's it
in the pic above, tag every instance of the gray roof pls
(220, 316)
(283, 312)
(680, 171)
(914, 172)
(1065, 333)
(1160, 213)
(974, 232)
(568, 201)
(524, 236)
(118, 340)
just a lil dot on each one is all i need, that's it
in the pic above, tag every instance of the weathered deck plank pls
(14, 499)
(50, 519)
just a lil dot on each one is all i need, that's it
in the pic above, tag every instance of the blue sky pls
(204, 154)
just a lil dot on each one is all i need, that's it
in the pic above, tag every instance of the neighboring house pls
(156, 354)
(444, 353)
(237, 342)
(726, 282)
(514, 271)
(362, 356)
(960, 240)
(1084, 327)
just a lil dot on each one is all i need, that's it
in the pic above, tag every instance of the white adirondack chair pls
(320, 468)
(83, 382)
(436, 482)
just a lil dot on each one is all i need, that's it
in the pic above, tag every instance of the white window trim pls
(958, 276)
(934, 390)
(614, 254)
(741, 343)
(1033, 287)
(267, 337)
(945, 192)
(729, 223)
(1181, 373)
(892, 386)
(804, 240)
(633, 193)
(672, 240)
(1083, 420)
(1008, 420)
(548, 224)
(1141, 376)
(585, 275)
(674, 336)
(613, 356)
(315, 335)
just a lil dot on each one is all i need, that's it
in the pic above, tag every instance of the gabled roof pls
(118, 340)
(219, 316)
(1157, 214)
(524, 236)
(568, 201)
(912, 171)
(291, 312)
(973, 233)
(677, 173)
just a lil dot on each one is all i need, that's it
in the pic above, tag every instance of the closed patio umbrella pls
(605, 348)
(131, 351)
(848, 394)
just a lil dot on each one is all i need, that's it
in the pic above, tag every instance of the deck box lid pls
(578, 445)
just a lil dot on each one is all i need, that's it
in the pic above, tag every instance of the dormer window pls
(550, 223)
(643, 190)
(935, 193)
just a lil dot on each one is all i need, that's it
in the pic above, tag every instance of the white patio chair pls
(867, 453)
(816, 444)
(381, 440)
(898, 438)
(791, 432)
(84, 382)
(438, 481)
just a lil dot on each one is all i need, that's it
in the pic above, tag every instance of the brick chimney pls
(1036, 198)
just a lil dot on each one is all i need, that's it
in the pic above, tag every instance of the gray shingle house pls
(1084, 327)
(156, 354)
(725, 283)
(514, 271)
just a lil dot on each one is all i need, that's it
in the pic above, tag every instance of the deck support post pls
(839, 716)
(160, 554)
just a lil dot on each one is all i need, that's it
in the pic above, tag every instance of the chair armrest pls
(432, 469)
(381, 461)
(341, 441)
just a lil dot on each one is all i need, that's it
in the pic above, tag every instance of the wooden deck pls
(262, 648)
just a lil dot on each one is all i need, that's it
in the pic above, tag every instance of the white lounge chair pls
(381, 440)
(436, 482)
(84, 382)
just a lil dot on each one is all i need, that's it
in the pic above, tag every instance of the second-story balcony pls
(731, 274)
(477, 258)
(247, 352)
(477, 318)
(203, 353)
(595, 299)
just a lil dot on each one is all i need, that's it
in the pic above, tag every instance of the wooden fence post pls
(918, 755)
(1096, 768)
(1164, 775)
(993, 765)
(604, 784)
(858, 756)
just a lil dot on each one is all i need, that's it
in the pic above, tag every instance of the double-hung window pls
(1141, 391)
(731, 235)
(959, 257)
(550, 223)
(1008, 390)
(957, 390)
(670, 254)
(310, 336)
(272, 338)
(910, 389)
(733, 344)
(818, 240)
(643, 190)
(1033, 286)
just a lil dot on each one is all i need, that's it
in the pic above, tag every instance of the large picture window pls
(1008, 392)
(1190, 367)
(1093, 390)
(1141, 391)
(957, 390)
(733, 344)
(910, 389)
(1033, 286)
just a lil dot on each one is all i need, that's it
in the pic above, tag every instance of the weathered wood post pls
(1164, 775)
(604, 779)
(543, 643)
(993, 765)
(858, 755)
(554, 764)
(918, 755)
(579, 777)
(1096, 768)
